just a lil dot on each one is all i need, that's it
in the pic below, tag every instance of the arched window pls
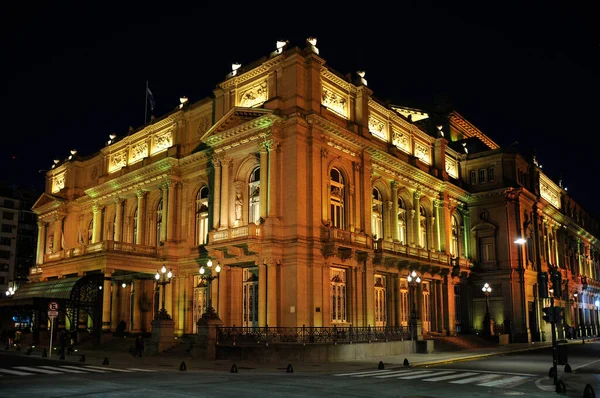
(254, 196)
(336, 199)
(377, 215)
(380, 300)
(455, 237)
(423, 221)
(402, 221)
(159, 221)
(338, 295)
(202, 216)
(90, 232)
(135, 224)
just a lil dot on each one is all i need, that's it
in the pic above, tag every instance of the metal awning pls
(54, 289)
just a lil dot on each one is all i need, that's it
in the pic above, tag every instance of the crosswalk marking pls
(63, 369)
(392, 374)
(485, 377)
(142, 370)
(416, 375)
(450, 377)
(89, 370)
(112, 369)
(15, 372)
(455, 376)
(503, 382)
(29, 368)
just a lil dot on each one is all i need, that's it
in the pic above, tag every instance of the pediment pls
(47, 201)
(236, 122)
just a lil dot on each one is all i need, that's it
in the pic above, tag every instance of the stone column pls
(466, 232)
(271, 293)
(118, 220)
(115, 306)
(164, 189)
(394, 215)
(106, 310)
(325, 187)
(388, 220)
(439, 304)
(56, 244)
(416, 219)
(217, 194)
(41, 242)
(141, 215)
(449, 314)
(398, 287)
(223, 294)
(274, 176)
(442, 243)
(355, 199)
(392, 300)
(225, 193)
(97, 223)
(264, 183)
(137, 310)
(262, 295)
(171, 209)
(369, 282)
(431, 244)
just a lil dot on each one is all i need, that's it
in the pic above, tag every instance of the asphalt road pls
(524, 374)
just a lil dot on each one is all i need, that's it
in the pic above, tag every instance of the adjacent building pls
(317, 201)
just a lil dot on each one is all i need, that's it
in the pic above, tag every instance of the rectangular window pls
(481, 176)
(486, 247)
(6, 228)
(5, 241)
(490, 174)
(4, 254)
(4, 267)
(9, 204)
(338, 295)
(473, 177)
(8, 215)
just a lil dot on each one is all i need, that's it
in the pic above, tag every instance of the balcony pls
(344, 244)
(102, 247)
(395, 252)
(250, 231)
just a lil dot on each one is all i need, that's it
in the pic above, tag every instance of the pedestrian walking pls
(139, 346)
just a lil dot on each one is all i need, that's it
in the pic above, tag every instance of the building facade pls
(317, 201)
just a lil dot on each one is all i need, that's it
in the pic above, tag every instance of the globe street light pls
(206, 274)
(487, 319)
(163, 279)
(10, 292)
(413, 278)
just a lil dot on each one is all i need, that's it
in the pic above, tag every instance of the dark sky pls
(74, 72)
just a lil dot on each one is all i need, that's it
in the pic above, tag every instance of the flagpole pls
(146, 106)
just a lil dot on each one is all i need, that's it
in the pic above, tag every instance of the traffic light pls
(548, 314)
(558, 314)
(557, 283)
(543, 284)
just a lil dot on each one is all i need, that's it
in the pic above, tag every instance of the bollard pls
(82, 358)
(105, 362)
(44, 353)
(289, 369)
(551, 373)
(182, 367)
(560, 387)
(568, 369)
(233, 368)
(588, 391)
(406, 362)
(381, 365)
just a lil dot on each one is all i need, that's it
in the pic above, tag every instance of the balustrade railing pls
(104, 246)
(310, 335)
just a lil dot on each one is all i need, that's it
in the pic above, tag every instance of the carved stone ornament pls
(400, 141)
(334, 101)
(377, 127)
(451, 168)
(254, 95)
(138, 152)
(422, 152)
(58, 182)
(162, 142)
(117, 161)
(203, 125)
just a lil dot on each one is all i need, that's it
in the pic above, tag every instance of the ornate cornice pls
(263, 68)
(132, 181)
(471, 131)
(329, 77)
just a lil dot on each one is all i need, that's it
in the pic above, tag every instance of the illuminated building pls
(316, 199)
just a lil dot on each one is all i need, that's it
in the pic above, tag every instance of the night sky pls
(73, 73)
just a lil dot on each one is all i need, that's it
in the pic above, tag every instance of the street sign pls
(52, 314)
(53, 306)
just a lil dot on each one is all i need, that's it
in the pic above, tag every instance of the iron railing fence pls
(310, 335)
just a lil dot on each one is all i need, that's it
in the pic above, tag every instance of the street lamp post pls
(487, 319)
(163, 279)
(10, 292)
(413, 279)
(206, 274)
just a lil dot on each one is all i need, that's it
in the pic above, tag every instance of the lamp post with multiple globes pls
(207, 275)
(413, 280)
(487, 319)
(163, 279)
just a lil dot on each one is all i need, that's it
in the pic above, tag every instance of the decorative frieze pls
(334, 101)
(401, 141)
(117, 161)
(58, 182)
(451, 167)
(549, 191)
(253, 96)
(161, 142)
(378, 127)
(422, 152)
(138, 152)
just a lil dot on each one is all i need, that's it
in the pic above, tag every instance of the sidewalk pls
(120, 359)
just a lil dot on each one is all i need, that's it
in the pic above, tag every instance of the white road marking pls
(142, 370)
(503, 382)
(490, 371)
(584, 365)
(89, 370)
(364, 373)
(417, 374)
(453, 376)
(485, 377)
(392, 374)
(31, 369)
(16, 372)
(62, 369)
(110, 369)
